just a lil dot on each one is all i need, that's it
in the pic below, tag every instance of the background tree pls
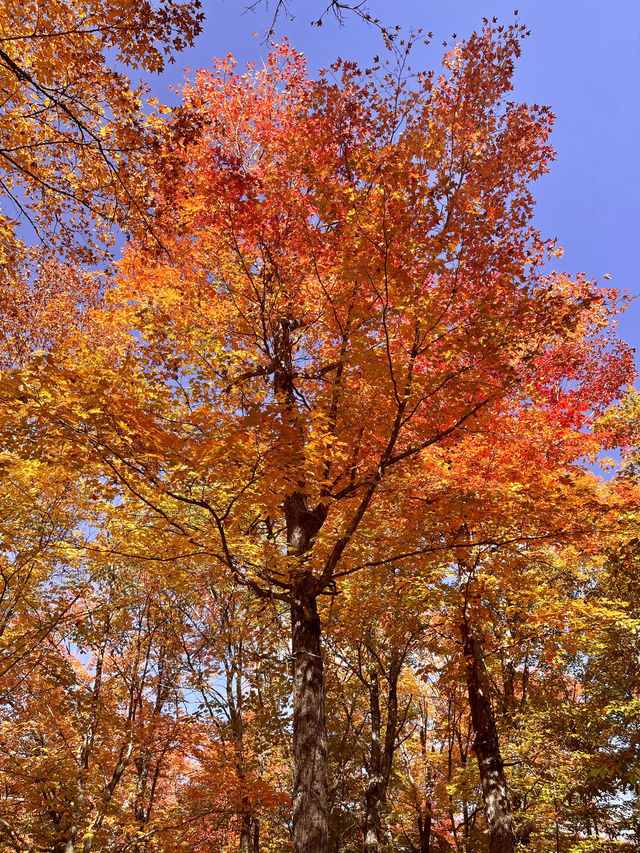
(74, 129)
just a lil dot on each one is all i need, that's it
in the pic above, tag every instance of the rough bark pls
(310, 790)
(502, 837)
(310, 783)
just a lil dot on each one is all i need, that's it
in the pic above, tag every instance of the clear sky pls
(582, 58)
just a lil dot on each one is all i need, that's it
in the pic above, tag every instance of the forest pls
(319, 480)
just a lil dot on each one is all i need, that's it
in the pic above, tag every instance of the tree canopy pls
(74, 129)
(301, 546)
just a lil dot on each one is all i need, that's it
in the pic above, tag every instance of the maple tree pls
(348, 388)
(74, 131)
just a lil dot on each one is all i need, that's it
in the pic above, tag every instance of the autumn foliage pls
(75, 131)
(301, 549)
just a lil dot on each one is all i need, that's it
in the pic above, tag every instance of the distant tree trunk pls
(425, 812)
(374, 792)
(380, 756)
(526, 826)
(249, 829)
(145, 761)
(310, 789)
(234, 670)
(508, 680)
(246, 835)
(502, 837)
(425, 819)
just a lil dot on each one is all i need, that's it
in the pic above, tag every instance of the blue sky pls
(582, 58)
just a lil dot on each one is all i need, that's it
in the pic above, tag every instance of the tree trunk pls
(508, 680)
(374, 793)
(424, 830)
(256, 835)
(310, 784)
(234, 674)
(373, 818)
(310, 790)
(246, 836)
(502, 837)
(380, 757)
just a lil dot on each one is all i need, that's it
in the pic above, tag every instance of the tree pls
(369, 641)
(74, 131)
(236, 661)
(339, 9)
(90, 740)
(353, 292)
(529, 537)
